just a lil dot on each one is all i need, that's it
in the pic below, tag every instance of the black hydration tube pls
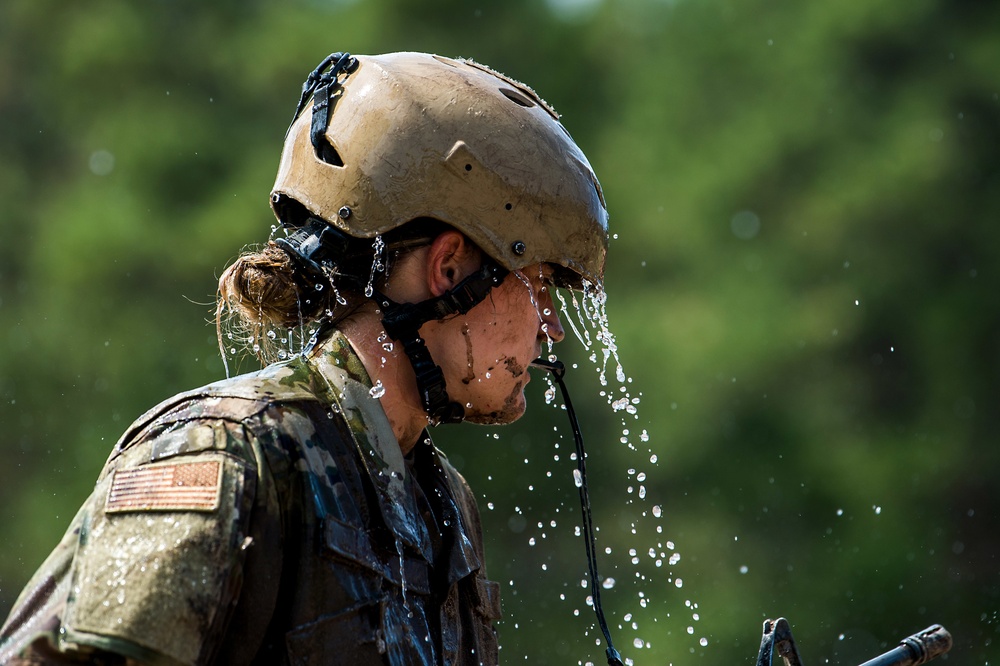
(558, 370)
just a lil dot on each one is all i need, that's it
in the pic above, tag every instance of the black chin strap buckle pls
(402, 322)
(431, 385)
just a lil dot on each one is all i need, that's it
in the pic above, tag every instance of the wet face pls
(485, 354)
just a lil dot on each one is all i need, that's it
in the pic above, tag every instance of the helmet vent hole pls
(327, 153)
(517, 98)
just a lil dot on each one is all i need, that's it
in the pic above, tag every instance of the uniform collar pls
(348, 385)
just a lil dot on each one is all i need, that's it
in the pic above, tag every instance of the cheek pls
(498, 340)
(514, 367)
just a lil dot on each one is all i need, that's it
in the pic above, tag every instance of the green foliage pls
(802, 289)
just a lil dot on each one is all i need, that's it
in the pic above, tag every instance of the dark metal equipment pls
(917, 649)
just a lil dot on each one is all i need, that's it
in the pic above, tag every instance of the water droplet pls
(703, 642)
(608, 583)
(657, 511)
(577, 478)
(638, 643)
(744, 569)
(378, 390)
(679, 583)
(653, 458)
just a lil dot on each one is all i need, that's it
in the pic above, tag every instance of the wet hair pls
(266, 294)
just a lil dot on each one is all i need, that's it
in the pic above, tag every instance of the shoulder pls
(223, 415)
(162, 550)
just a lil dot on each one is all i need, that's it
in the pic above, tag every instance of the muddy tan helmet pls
(414, 135)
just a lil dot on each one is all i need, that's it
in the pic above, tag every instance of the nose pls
(551, 324)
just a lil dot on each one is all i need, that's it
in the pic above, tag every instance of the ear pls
(450, 259)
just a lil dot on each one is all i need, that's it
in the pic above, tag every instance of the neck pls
(401, 401)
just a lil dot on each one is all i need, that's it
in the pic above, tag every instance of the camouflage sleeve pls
(160, 550)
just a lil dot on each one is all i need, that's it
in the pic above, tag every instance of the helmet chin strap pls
(402, 322)
(312, 245)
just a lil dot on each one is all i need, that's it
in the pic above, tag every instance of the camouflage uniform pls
(269, 519)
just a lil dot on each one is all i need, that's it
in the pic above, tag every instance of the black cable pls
(558, 370)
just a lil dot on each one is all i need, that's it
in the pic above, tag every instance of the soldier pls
(301, 514)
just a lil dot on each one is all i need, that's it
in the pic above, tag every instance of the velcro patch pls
(184, 486)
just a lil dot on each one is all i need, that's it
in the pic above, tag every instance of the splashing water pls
(646, 589)
(378, 265)
(402, 572)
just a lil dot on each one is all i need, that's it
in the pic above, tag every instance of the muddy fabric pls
(267, 519)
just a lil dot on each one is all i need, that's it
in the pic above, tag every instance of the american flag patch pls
(186, 486)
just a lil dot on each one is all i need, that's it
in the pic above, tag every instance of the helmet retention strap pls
(402, 322)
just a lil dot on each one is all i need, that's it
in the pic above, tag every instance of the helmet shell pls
(421, 135)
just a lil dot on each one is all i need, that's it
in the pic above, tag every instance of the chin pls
(512, 409)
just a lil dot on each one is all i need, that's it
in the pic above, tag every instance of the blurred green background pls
(803, 286)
